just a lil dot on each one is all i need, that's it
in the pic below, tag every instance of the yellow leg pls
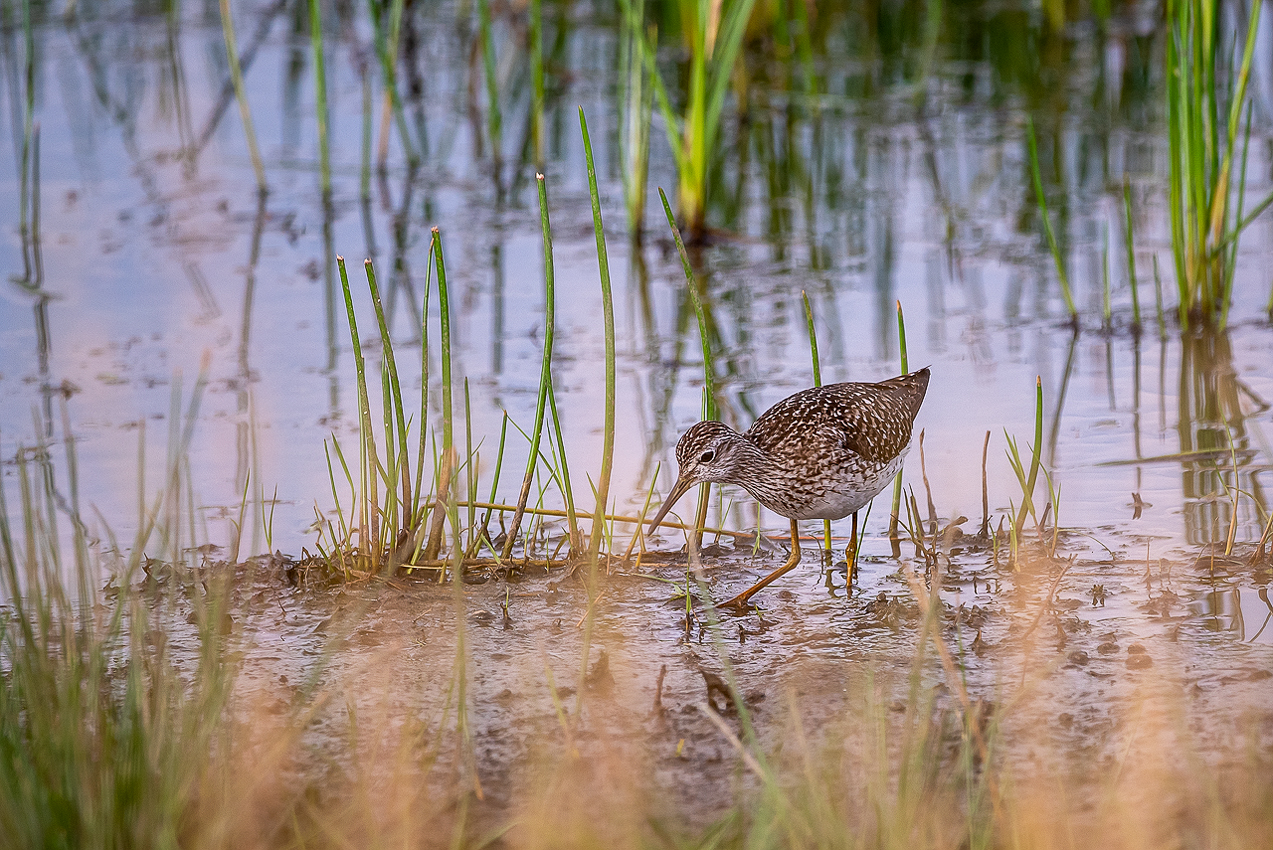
(739, 603)
(851, 554)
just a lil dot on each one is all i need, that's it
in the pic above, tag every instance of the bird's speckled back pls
(873, 421)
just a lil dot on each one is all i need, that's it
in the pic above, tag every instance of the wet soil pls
(1080, 663)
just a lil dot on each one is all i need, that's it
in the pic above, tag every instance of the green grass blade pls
(398, 422)
(709, 372)
(368, 516)
(545, 369)
(607, 308)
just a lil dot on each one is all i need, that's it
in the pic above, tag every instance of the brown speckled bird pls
(822, 453)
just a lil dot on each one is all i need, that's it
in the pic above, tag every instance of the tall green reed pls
(893, 536)
(545, 369)
(365, 498)
(537, 79)
(709, 370)
(444, 319)
(817, 382)
(607, 313)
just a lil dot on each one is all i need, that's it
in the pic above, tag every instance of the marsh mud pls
(1086, 666)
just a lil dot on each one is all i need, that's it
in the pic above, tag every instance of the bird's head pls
(709, 451)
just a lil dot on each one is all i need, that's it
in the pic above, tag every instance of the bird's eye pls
(707, 456)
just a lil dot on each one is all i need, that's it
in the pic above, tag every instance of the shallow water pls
(155, 257)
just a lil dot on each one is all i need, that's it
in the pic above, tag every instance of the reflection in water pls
(900, 176)
(1219, 459)
(247, 466)
(1219, 609)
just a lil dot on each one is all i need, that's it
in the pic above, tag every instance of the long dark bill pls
(679, 489)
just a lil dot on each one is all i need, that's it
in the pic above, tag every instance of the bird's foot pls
(739, 606)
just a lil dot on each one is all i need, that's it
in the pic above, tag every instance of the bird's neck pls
(756, 472)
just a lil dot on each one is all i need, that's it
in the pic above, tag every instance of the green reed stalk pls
(367, 508)
(817, 382)
(499, 464)
(1047, 224)
(36, 252)
(709, 372)
(400, 470)
(1027, 481)
(572, 517)
(28, 126)
(537, 78)
(545, 368)
(417, 508)
(320, 95)
(1129, 247)
(240, 94)
(470, 469)
(494, 120)
(444, 309)
(715, 32)
(1229, 244)
(897, 481)
(607, 309)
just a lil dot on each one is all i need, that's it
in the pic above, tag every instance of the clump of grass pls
(107, 738)
(1027, 480)
(715, 34)
(1204, 115)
